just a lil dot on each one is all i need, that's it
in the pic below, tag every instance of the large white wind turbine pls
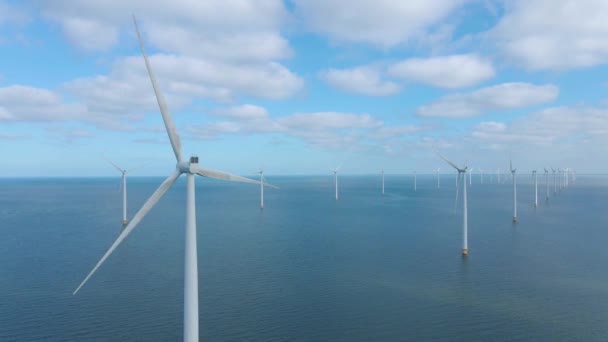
(461, 171)
(514, 191)
(123, 186)
(335, 171)
(535, 188)
(190, 168)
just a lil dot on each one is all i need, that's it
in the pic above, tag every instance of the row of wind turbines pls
(191, 168)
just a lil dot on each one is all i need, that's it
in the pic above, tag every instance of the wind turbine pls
(382, 181)
(414, 180)
(123, 186)
(261, 172)
(461, 171)
(547, 182)
(470, 176)
(335, 171)
(535, 189)
(481, 175)
(190, 168)
(514, 191)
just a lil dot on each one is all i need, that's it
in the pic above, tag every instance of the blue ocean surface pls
(308, 268)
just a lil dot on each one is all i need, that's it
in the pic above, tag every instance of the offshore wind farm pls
(351, 228)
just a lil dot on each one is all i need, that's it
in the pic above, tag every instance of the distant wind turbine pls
(481, 175)
(262, 184)
(461, 171)
(335, 171)
(514, 191)
(123, 187)
(471, 176)
(190, 168)
(414, 180)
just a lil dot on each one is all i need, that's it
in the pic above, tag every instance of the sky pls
(300, 86)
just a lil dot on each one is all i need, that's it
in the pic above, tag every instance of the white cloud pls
(554, 34)
(454, 71)
(242, 112)
(365, 80)
(546, 127)
(383, 23)
(329, 120)
(127, 88)
(211, 28)
(499, 97)
(24, 103)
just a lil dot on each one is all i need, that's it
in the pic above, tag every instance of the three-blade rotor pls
(182, 167)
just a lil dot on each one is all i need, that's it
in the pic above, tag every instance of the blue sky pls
(303, 85)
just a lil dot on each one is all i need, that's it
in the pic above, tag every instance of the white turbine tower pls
(414, 180)
(123, 187)
(514, 192)
(535, 189)
(547, 182)
(335, 171)
(382, 181)
(461, 171)
(471, 176)
(190, 168)
(481, 175)
(261, 172)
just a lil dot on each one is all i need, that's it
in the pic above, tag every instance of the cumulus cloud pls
(320, 129)
(553, 35)
(382, 23)
(126, 91)
(216, 28)
(365, 80)
(546, 127)
(25, 103)
(499, 97)
(454, 71)
(242, 112)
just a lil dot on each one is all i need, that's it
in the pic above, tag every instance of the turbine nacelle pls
(190, 166)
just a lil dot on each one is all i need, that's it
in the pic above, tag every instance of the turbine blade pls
(116, 166)
(449, 162)
(169, 124)
(228, 177)
(156, 196)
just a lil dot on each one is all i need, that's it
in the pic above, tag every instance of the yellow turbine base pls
(124, 221)
(465, 252)
(515, 219)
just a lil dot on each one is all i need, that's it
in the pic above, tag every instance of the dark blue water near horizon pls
(365, 268)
